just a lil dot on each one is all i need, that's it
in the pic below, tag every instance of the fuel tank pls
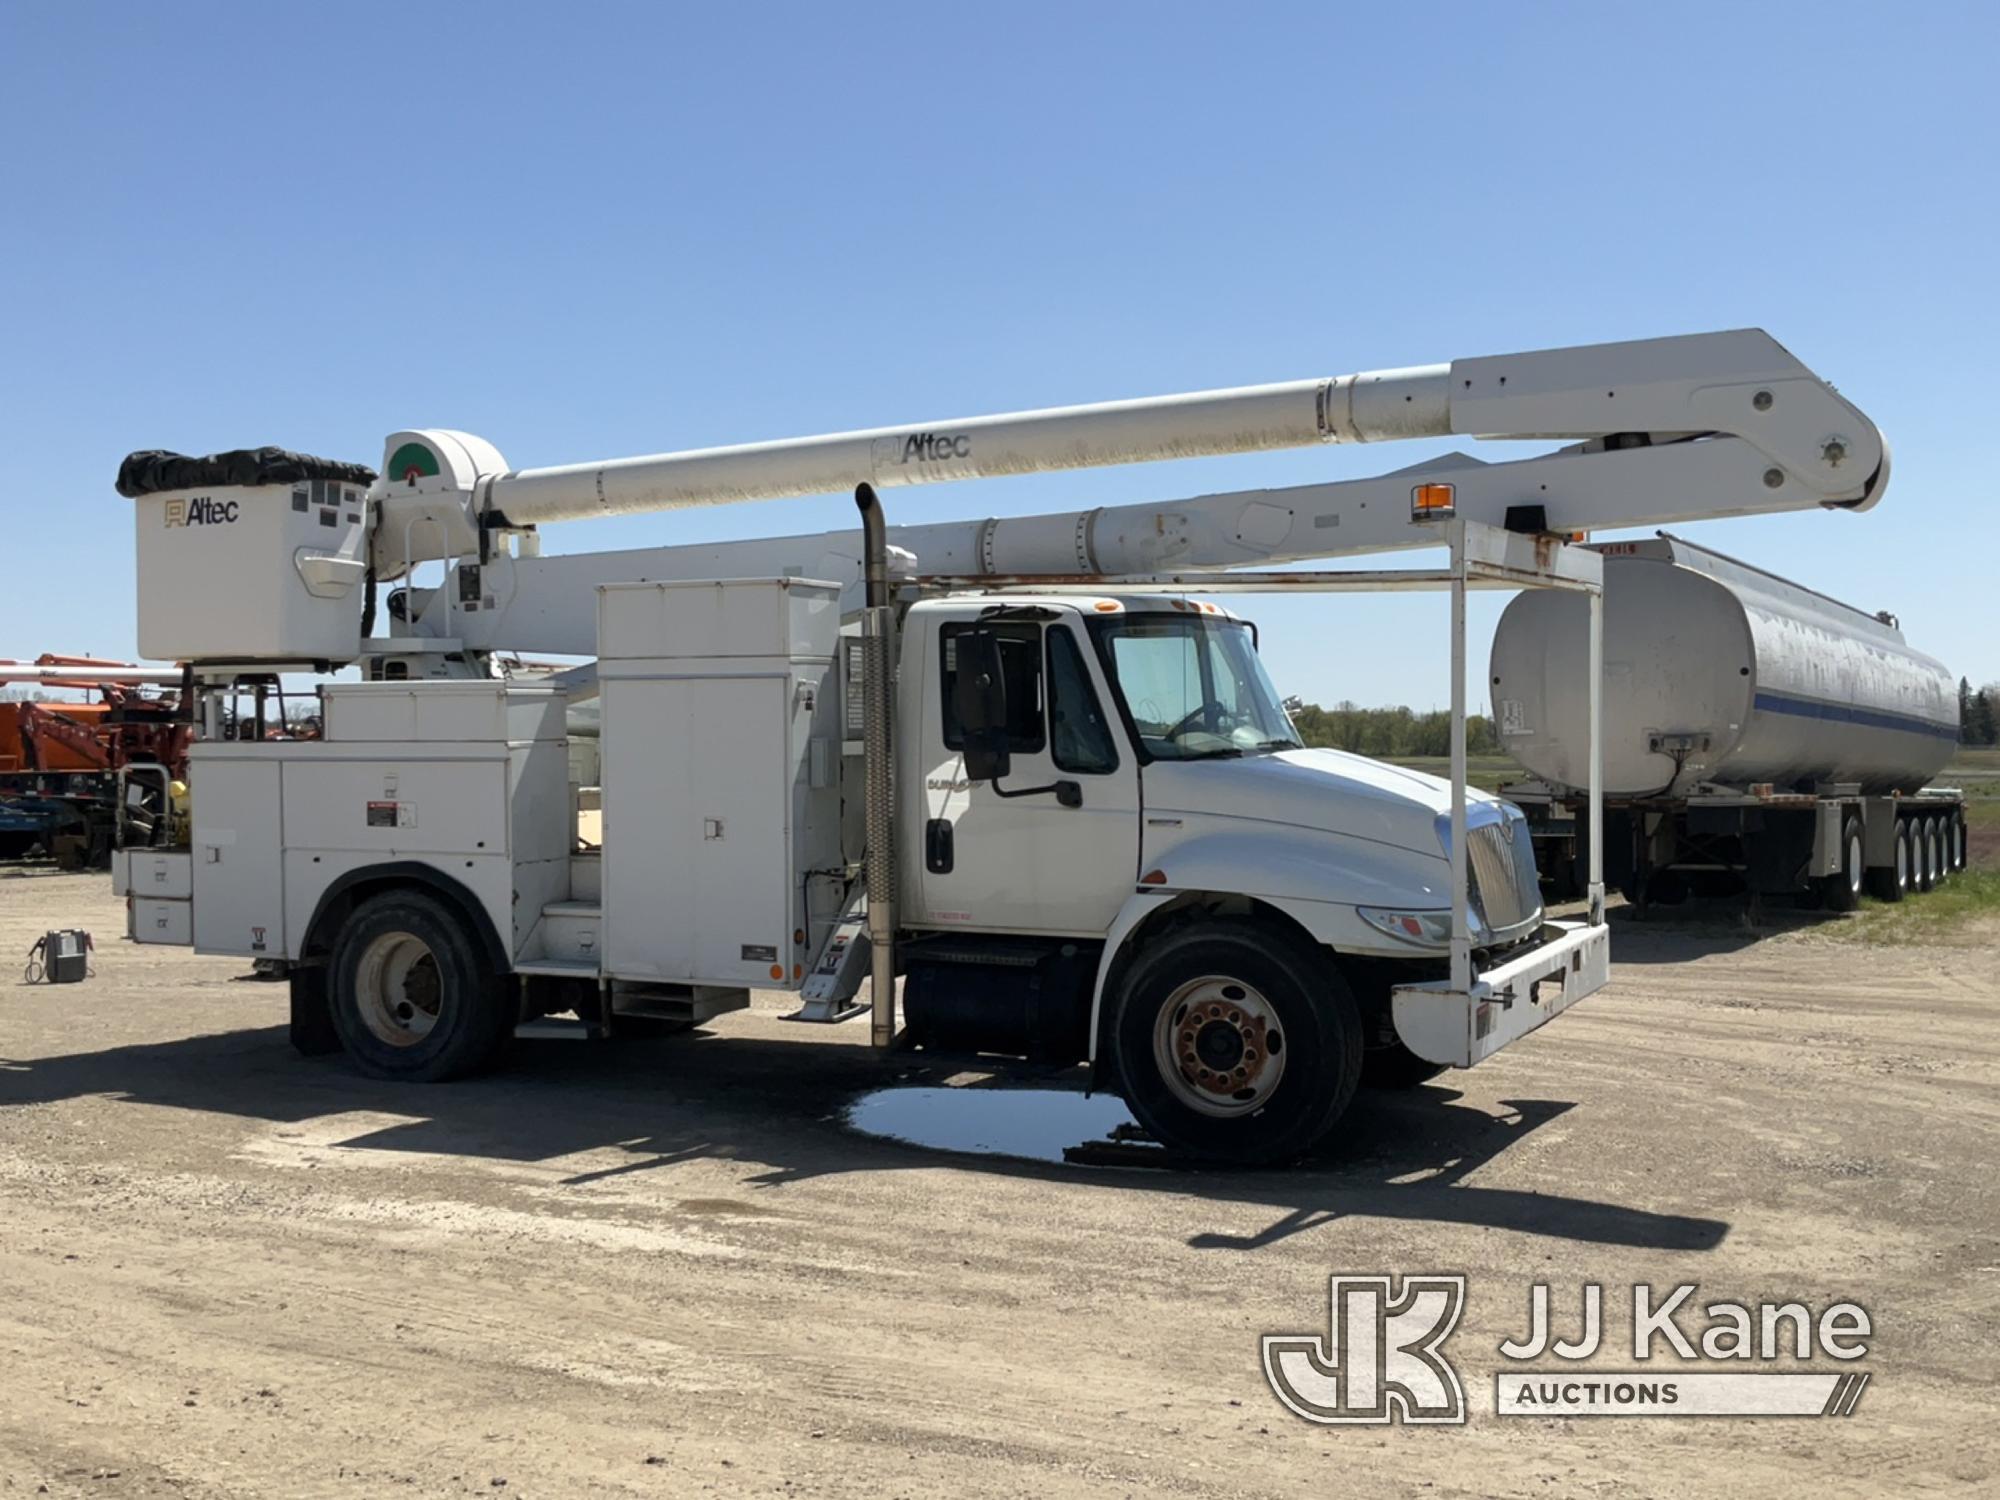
(1717, 671)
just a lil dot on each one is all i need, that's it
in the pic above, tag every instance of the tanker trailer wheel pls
(1923, 853)
(1892, 881)
(1841, 891)
(1955, 822)
(1236, 1042)
(410, 993)
(1941, 826)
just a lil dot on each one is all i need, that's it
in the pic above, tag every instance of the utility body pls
(1022, 771)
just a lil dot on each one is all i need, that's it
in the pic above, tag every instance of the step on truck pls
(1022, 778)
(1765, 740)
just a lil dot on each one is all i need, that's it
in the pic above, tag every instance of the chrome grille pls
(1504, 885)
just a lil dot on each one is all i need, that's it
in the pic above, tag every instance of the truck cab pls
(1092, 778)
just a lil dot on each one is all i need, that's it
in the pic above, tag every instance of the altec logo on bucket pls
(1382, 1358)
(203, 510)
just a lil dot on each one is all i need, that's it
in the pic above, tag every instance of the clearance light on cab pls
(1433, 502)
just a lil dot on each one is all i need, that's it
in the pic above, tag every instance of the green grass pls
(1926, 917)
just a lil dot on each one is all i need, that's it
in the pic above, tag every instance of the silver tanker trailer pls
(1758, 736)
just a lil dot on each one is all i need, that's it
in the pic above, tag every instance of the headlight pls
(1426, 929)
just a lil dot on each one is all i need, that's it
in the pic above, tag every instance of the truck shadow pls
(783, 1105)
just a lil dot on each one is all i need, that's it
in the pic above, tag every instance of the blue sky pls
(597, 230)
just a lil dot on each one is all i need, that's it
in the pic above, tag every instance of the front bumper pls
(1506, 1002)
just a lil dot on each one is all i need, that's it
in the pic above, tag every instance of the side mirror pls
(979, 695)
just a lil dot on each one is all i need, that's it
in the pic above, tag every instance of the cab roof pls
(1105, 603)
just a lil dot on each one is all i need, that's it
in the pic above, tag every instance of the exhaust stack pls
(878, 627)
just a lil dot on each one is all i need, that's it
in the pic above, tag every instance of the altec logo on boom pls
(923, 448)
(203, 510)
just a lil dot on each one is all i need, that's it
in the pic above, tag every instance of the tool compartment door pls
(239, 867)
(697, 843)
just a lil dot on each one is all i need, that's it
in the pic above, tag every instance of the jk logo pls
(1379, 1361)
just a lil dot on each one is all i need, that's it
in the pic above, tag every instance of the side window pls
(1021, 661)
(1079, 737)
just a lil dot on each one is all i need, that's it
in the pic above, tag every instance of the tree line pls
(1978, 713)
(1392, 733)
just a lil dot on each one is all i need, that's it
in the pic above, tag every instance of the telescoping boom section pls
(1005, 770)
(1794, 441)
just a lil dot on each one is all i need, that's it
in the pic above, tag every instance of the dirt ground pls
(668, 1267)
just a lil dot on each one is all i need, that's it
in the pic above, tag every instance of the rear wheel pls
(1941, 831)
(1236, 1042)
(1923, 854)
(1841, 891)
(410, 994)
(1955, 824)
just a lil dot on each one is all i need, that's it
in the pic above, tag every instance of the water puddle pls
(1034, 1124)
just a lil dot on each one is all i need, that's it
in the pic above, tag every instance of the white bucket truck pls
(1025, 766)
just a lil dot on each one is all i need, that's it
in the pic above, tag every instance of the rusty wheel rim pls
(1219, 1046)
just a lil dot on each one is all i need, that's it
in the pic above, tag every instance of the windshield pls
(1192, 686)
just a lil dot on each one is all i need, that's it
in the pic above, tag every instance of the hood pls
(1328, 790)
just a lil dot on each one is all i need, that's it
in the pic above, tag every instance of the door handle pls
(938, 846)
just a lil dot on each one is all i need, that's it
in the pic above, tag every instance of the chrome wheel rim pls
(398, 990)
(1903, 864)
(1218, 1044)
(1854, 867)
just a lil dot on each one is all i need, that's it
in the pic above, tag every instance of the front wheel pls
(1236, 1042)
(411, 995)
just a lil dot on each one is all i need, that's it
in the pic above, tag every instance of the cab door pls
(993, 859)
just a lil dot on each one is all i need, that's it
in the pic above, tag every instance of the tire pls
(1260, 985)
(1955, 824)
(1397, 1067)
(1891, 882)
(411, 995)
(1942, 868)
(1841, 891)
(1923, 854)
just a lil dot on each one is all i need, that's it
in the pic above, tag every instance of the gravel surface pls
(669, 1267)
